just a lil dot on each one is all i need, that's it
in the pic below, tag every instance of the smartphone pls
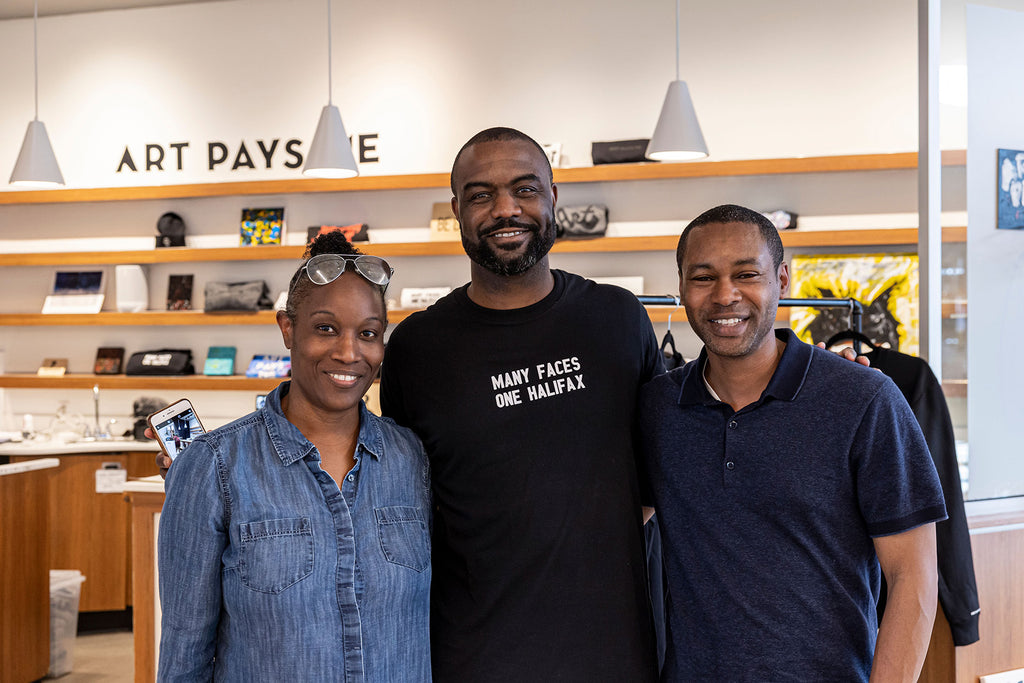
(175, 427)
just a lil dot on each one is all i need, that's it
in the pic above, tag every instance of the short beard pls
(487, 257)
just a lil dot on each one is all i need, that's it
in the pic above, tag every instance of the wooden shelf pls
(156, 318)
(587, 174)
(954, 309)
(954, 388)
(178, 382)
(792, 239)
(660, 314)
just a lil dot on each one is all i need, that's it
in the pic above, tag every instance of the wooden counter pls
(997, 542)
(146, 502)
(24, 570)
(90, 531)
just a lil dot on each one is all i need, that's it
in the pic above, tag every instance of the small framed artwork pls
(357, 232)
(179, 293)
(261, 226)
(1010, 189)
(553, 150)
(109, 360)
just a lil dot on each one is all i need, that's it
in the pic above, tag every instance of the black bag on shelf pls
(588, 220)
(237, 296)
(161, 362)
(619, 151)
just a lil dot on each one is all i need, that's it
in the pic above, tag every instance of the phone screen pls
(177, 431)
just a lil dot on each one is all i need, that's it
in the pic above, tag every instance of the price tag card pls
(111, 481)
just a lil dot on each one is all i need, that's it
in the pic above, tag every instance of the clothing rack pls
(856, 308)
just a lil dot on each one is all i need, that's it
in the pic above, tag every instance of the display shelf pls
(954, 309)
(872, 237)
(586, 174)
(954, 388)
(155, 382)
(658, 314)
(156, 318)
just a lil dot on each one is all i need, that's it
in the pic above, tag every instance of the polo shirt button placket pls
(729, 464)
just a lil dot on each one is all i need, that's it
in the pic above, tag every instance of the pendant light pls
(36, 164)
(677, 136)
(330, 154)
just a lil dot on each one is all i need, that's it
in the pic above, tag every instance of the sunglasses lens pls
(325, 268)
(374, 269)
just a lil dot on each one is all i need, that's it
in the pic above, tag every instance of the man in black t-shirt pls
(523, 385)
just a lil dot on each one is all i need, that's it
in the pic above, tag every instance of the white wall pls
(778, 79)
(995, 258)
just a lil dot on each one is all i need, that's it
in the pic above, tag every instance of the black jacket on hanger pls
(958, 590)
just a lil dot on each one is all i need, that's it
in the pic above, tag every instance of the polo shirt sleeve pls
(897, 486)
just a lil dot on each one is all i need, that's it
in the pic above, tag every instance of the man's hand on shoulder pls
(848, 354)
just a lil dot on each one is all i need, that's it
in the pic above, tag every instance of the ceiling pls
(18, 9)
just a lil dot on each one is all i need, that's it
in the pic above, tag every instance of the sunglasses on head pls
(326, 268)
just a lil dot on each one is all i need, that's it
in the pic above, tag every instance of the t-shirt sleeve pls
(653, 365)
(897, 486)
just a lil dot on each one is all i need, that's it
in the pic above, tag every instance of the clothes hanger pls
(851, 335)
(668, 343)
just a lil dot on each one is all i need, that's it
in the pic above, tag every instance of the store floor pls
(102, 658)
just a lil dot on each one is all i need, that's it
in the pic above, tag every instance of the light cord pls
(677, 40)
(35, 52)
(329, 82)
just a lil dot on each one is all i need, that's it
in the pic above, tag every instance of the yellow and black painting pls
(885, 284)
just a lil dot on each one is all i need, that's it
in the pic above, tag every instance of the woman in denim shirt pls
(271, 571)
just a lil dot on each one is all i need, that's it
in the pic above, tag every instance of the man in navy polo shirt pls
(785, 479)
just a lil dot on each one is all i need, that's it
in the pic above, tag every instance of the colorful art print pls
(1010, 190)
(179, 293)
(108, 360)
(885, 284)
(357, 232)
(261, 226)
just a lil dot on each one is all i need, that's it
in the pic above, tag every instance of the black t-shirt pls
(528, 416)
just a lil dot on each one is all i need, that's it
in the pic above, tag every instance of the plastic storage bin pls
(65, 591)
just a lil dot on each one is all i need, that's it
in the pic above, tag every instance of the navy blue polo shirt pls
(767, 515)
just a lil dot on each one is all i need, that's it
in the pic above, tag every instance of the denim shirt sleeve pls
(193, 535)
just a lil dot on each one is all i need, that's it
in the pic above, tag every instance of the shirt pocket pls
(276, 553)
(403, 536)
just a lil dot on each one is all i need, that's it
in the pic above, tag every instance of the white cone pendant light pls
(677, 137)
(36, 164)
(330, 153)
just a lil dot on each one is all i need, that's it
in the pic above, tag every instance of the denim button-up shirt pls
(271, 572)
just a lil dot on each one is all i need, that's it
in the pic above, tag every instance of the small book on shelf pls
(220, 360)
(53, 367)
(269, 366)
(179, 293)
(262, 226)
(109, 360)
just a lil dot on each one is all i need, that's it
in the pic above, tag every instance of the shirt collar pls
(784, 385)
(292, 446)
